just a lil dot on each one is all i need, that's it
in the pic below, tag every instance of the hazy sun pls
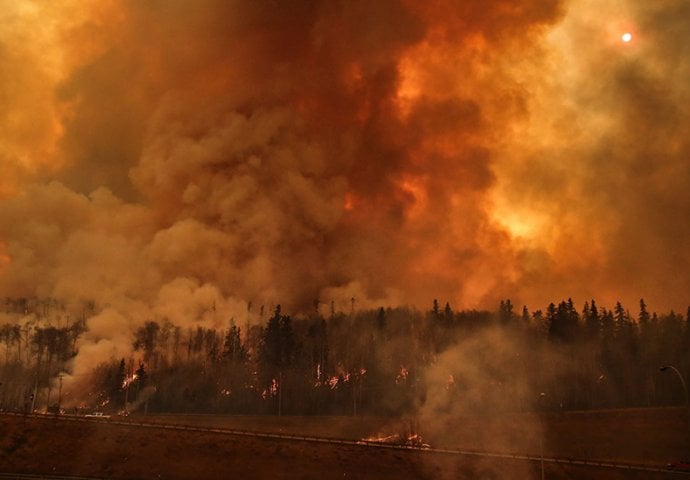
(626, 37)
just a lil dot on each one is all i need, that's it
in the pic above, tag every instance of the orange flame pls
(129, 379)
(349, 202)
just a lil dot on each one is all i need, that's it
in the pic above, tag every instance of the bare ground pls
(653, 436)
(48, 445)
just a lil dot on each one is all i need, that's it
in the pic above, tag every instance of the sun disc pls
(626, 37)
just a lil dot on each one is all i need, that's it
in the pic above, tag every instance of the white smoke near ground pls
(143, 396)
(484, 393)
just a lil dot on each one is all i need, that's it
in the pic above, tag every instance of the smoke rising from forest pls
(181, 159)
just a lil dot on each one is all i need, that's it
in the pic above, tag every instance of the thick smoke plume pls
(183, 159)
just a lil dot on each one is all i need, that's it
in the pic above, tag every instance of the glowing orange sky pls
(392, 151)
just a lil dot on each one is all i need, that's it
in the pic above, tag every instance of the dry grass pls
(47, 445)
(652, 436)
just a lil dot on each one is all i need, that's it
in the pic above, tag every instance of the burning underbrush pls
(404, 431)
(437, 366)
(412, 441)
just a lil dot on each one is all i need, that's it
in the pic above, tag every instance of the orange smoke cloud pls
(43, 44)
(394, 151)
(4, 257)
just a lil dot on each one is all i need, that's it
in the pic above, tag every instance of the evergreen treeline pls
(383, 361)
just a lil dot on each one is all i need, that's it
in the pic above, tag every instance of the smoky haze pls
(181, 159)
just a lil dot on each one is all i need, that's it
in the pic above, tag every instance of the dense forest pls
(383, 361)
